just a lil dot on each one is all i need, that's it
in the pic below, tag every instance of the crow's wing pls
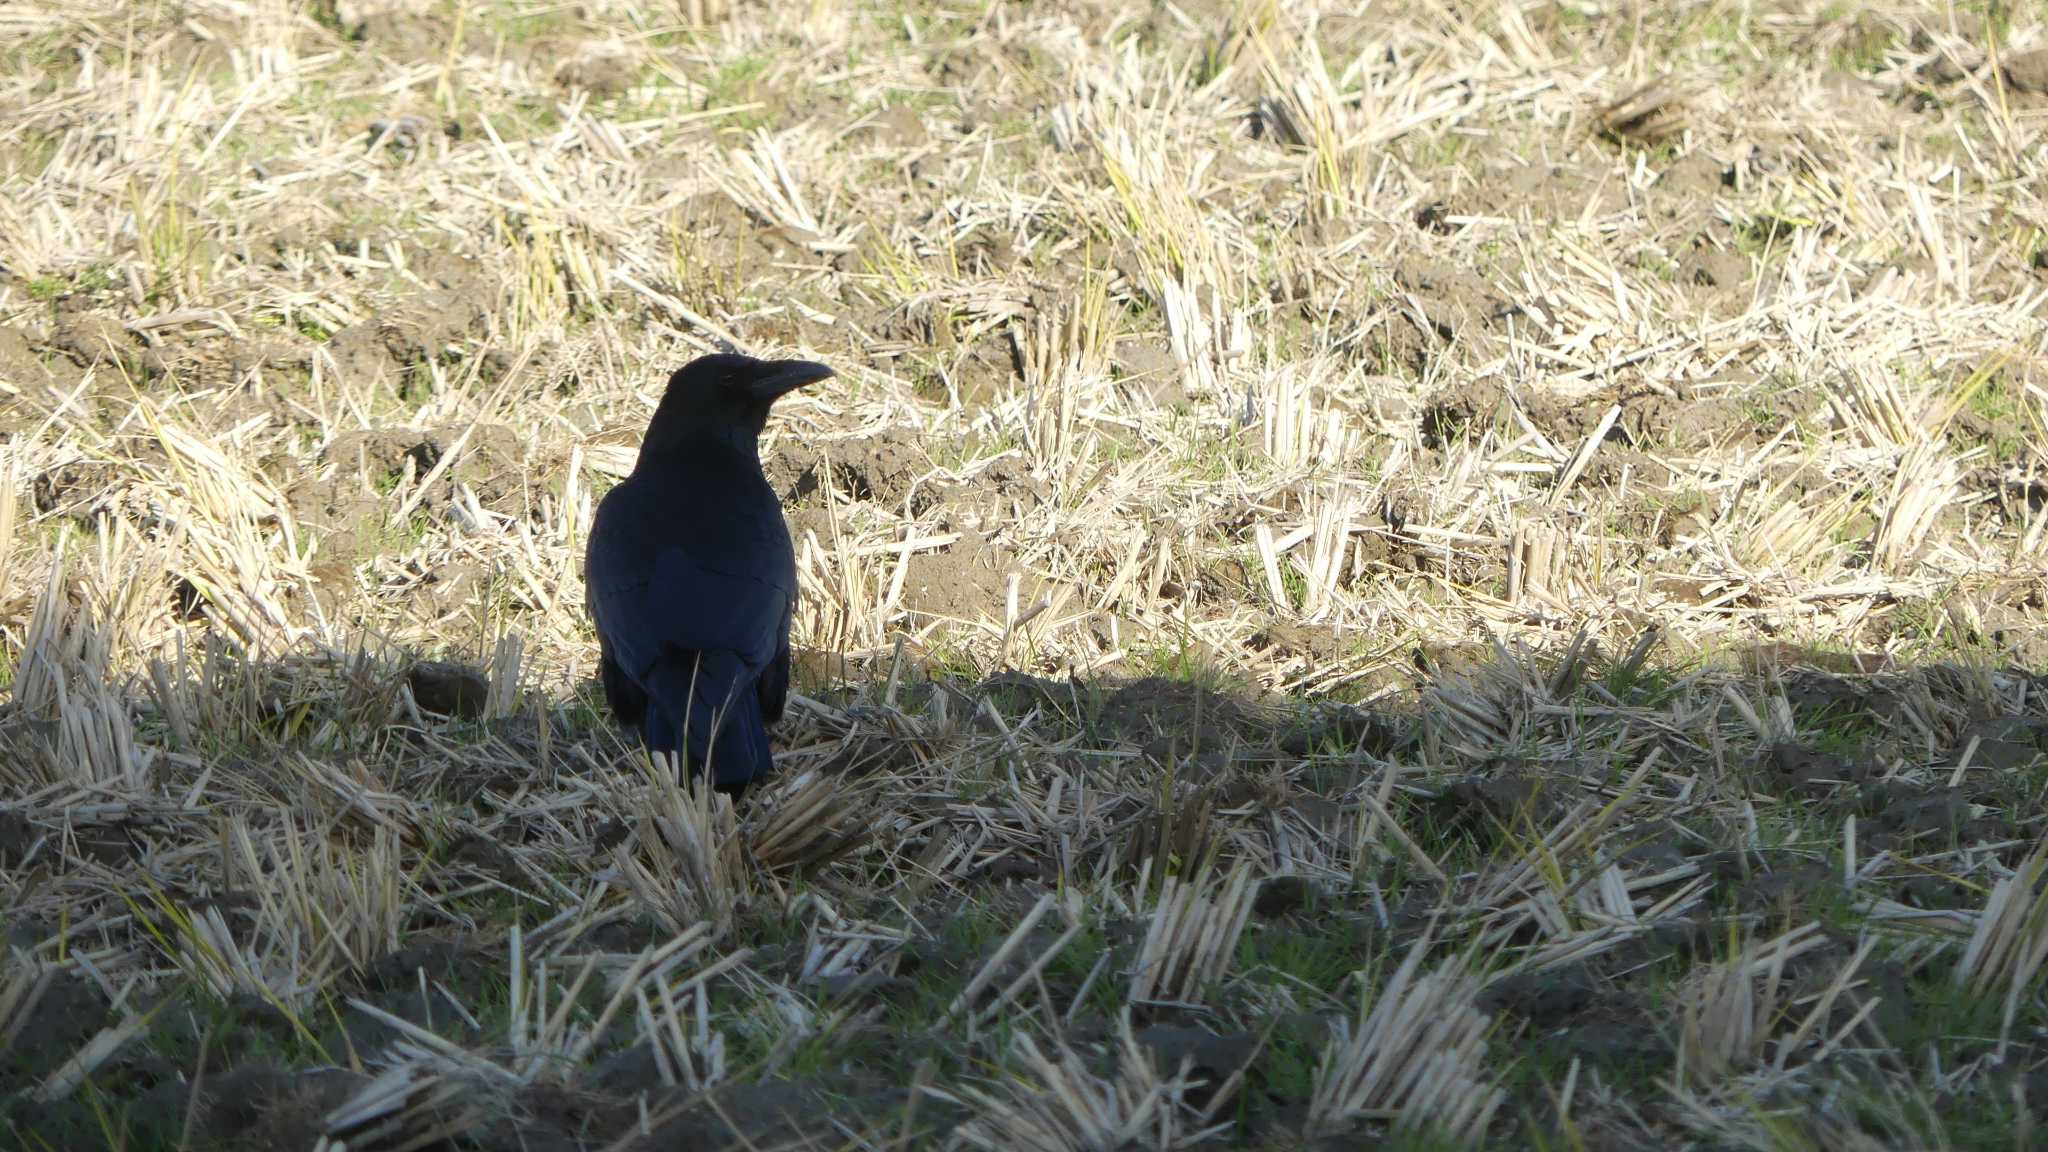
(676, 602)
(775, 681)
(685, 603)
(628, 702)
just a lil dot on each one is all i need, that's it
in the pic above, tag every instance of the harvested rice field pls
(1420, 574)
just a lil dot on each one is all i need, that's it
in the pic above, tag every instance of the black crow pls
(690, 576)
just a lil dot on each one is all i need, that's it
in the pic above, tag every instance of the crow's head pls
(725, 397)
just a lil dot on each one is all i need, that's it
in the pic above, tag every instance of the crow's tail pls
(711, 705)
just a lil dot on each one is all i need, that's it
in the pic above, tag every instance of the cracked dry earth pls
(1433, 575)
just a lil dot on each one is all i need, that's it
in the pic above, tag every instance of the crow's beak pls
(785, 376)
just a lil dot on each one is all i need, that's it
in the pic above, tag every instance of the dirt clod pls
(1804, 771)
(91, 337)
(2028, 71)
(20, 364)
(1708, 265)
(1188, 714)
(883, 468)
(1488, 807)
(900, 126)
(1282, 895)
(1546, 998)
(1345, 727)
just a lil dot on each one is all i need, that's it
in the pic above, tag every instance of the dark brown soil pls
(1156, 708)
(1492, 808)
(266, 1106)
(343, 497)
(1215, 1058)
(23, 366)
(603, 70)
(966, 582)
(1689, 184)
(1690, 419)
(2028, 71)
(991, 492)
(1547, 998)
(748, 1116)
(1434, 305)
(1147, 369)
(1506, 185)
(1710, 265)
(885, 468)
(70, 1010)
(448, 689)
(90, 338)
(1346, 728)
